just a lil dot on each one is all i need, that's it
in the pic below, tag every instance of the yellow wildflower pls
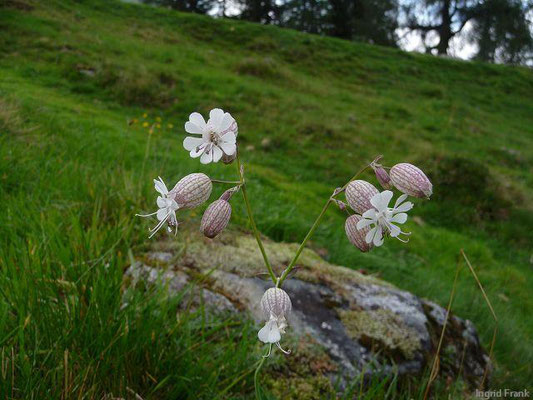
(170, 126)
(145, 124)
(158, 119)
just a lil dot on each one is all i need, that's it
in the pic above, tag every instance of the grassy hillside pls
(76, 163)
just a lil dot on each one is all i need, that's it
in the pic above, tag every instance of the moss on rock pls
(383, 329)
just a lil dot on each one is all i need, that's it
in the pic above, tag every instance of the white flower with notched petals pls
(383, 218)
(216, 138)
(167, 208)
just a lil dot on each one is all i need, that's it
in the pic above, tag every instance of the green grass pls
(311, 111)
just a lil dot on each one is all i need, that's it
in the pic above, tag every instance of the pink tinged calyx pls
(381, 174)
(358, 195)
(215, 218)
(356, 236)
(192, 190)
(410, 180)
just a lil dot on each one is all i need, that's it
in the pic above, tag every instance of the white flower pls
(216, 137)
(275, 305)
(167, 208)
(383, 218)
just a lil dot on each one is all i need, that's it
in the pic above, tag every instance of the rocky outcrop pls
(360, 324)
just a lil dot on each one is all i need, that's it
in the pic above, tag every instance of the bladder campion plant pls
(373, 218)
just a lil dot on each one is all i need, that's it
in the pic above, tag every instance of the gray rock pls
(363, 324)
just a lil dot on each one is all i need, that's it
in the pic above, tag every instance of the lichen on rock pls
(381, 330)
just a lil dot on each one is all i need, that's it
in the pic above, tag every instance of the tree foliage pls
(499, 30)
(502, 32)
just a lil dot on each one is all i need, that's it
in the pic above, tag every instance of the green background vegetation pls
(311, 111)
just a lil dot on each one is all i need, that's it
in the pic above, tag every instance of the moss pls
(303, 374)
(237, 253)
(383, 329)
(313, 388)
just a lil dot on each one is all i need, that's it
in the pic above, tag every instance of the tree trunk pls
(445, 30)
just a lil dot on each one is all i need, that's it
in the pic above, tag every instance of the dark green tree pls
(499, 28)
(445, 18)
(306, 15)
(195, 6)
(502, 32)
(263, 11)
(373, 21)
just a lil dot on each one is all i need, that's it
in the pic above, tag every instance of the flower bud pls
(275, 302)
(215, 218)
(192, 190)
(411, 180)
(358, 195)
(381, 175)
(357, 236)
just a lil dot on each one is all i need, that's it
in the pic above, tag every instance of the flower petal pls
(404, 207)
(207, 157)
(378, 238)
(400, 200)
(228, 148)
(399, 218)
(160, 186)
(215, 119)
(228, 137)
(173, 205)
(193, 128)
(370, 213)
(370, 235)
(381, 200)
(162, 214)
(363, 223)
(269, 333)
(226, 122)
(191, 142)
(198, 120)
(394, 230)
(217, 154)
(161, 203)
(198, 151)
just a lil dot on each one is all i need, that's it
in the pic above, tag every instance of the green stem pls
(252, 223)
(256, 386)
(228, 182)
(313, 228)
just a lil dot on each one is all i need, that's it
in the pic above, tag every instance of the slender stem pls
(256, 383)
(228, 182)
(313, 228)
(302, 245)
(252, 223)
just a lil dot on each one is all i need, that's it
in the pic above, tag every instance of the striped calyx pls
(192, 190)
(215, 218)
(410, 180)
(275, 302)
(358, 195)
(357, 236)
